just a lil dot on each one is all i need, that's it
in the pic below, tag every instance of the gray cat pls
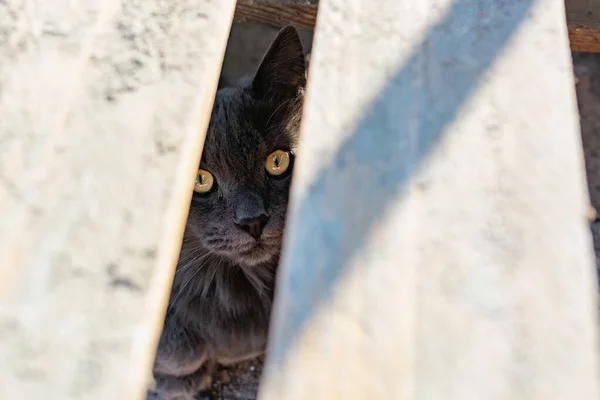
(222, 293)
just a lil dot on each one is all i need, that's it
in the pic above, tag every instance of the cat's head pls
(240, 198)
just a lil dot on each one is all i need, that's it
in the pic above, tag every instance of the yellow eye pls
(204, 181)
(278, 162)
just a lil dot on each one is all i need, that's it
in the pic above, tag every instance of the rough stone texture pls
(437, 245)
(34, 108)
(103, 108)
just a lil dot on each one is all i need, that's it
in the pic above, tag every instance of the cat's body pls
(223, 287)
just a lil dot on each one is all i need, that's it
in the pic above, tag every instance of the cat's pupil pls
(276, 161)
(201, 179)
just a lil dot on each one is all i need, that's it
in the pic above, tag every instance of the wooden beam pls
(103, 110)
(584, 39)
(296, 13)
(437, 245)
(276, 14)
(583, 17)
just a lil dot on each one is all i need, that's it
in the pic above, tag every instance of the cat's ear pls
(282, 71)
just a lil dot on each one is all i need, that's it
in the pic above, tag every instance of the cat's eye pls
(204, 181)
(278, 162)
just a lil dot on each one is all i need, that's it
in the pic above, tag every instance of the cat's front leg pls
(181, 368)
(187, 387)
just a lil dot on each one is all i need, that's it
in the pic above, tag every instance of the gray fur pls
(223, 287)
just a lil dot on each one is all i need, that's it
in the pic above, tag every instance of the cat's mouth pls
(248, 252)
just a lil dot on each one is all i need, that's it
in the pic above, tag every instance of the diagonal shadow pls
(398, 130)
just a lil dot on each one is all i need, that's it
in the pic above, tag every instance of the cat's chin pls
(257, 255)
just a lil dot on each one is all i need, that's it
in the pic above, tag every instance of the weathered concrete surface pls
(437, 245)
(103, 109)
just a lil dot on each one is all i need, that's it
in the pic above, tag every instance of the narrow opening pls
(248, 43)
(218, 315)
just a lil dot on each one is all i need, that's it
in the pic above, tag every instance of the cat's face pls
(239, 206)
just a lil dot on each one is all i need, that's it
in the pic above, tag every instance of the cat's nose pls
(255, 225)
(250, 213)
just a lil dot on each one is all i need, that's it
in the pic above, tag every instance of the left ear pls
(282, 71)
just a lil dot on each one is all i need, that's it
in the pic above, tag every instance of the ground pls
(246, 46)
(239, 382)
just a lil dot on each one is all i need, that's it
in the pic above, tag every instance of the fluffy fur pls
(224, 282)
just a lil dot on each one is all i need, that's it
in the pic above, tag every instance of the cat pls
(222, 293)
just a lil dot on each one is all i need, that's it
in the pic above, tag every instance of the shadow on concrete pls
(394, 136)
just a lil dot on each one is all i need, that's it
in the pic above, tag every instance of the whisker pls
(193, 255)
(211, 273)
(184, 267)
(181, 290)
(202, 258)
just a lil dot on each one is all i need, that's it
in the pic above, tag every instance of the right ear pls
(282, 71)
